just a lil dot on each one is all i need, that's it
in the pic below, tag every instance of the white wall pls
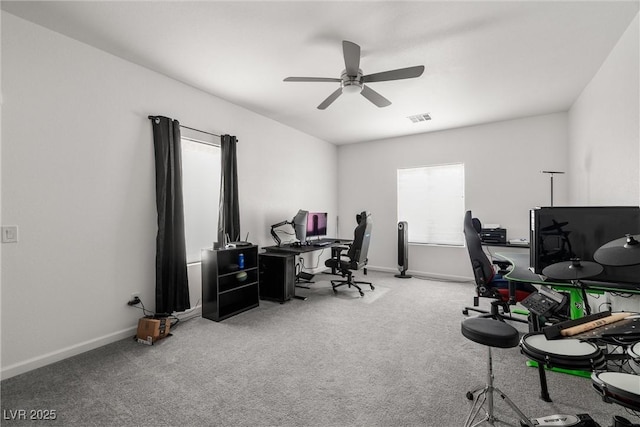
(604, 137)
(604, 134)
(502, 182)
(78, 179)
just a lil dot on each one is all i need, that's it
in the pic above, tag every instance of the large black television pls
(557, 234)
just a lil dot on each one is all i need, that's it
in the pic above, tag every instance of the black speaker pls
(403, 249)
(277, 274)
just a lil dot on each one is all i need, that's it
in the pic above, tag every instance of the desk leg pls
(297, 285)
(299, 277)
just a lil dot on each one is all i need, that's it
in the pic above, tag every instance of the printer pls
(493, 235)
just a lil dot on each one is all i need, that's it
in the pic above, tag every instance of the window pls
(201, 188)
(431, 200)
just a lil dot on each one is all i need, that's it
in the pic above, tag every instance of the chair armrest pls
(503, 265)
(337, 256)
(336, 251)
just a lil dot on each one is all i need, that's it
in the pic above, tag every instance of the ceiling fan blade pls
(351, 52)
(330, 99)
(375, 97)
(312, 79)
(399, 74)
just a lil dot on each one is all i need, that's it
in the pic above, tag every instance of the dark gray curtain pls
(172, 287)
(229, 211)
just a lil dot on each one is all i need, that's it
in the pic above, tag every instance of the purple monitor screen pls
(317, 224)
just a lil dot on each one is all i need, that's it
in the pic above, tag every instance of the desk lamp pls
(574, 270)
(299, 224)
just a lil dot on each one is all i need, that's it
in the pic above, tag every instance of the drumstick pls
(574, 330)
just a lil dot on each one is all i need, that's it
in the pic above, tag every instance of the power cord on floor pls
(137, 303)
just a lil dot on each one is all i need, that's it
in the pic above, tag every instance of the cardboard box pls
(151, 330)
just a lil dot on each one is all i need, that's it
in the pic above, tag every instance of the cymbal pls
(572, 270)
(620, 252)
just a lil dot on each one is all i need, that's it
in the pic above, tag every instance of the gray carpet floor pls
(395, 357)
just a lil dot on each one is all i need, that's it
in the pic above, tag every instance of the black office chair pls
(489, 283)
(356, 256)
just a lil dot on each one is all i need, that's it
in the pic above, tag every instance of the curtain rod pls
(187, 127)
(201, 131)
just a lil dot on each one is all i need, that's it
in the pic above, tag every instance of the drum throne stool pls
(491, 333)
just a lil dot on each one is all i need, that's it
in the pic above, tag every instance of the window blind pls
(201, 192)
(431, 200)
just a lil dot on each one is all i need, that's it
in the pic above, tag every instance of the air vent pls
(420, 118)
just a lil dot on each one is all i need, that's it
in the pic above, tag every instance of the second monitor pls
(317, 224)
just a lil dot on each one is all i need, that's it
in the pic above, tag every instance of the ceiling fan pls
(352, 80)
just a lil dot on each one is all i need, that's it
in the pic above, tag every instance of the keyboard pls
(321, 243)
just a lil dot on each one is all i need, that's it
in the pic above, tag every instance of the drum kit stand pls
(575, 354)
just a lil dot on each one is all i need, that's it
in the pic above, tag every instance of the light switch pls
(10, 234)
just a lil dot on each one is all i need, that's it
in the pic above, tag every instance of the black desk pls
(309, 247)
(507, 245)
(336, 245)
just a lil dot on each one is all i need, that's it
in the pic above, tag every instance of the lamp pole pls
(551, 175)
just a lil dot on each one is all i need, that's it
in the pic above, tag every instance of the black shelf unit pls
(224, 292)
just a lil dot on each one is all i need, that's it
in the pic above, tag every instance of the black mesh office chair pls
(356, 256)
(489, 283)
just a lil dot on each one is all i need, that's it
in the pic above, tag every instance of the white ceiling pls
(485, 60)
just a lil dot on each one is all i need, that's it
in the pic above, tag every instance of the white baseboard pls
(74, 350)
(64, 353)
(422, 274)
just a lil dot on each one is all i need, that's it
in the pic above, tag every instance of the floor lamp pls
(551, 174)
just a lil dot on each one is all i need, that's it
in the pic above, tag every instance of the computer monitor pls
(300, 225)
(317, 224)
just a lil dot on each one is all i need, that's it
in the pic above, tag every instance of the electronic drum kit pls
(575, 354)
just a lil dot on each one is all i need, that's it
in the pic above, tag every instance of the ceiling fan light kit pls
(353, 81)
(351, 84)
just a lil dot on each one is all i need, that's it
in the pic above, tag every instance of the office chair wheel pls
(361, 293)
(469, 395)
(372, 288)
